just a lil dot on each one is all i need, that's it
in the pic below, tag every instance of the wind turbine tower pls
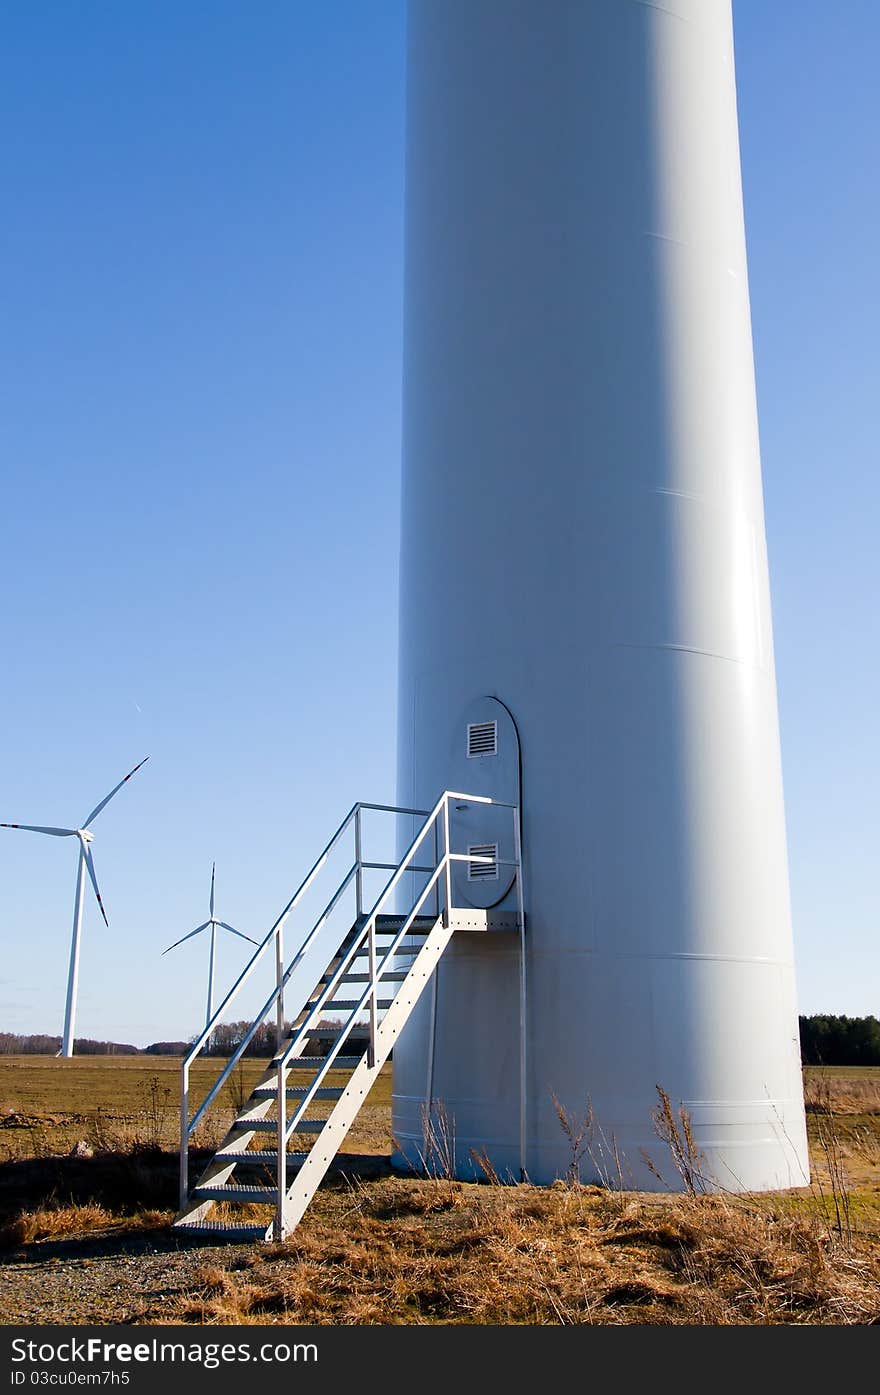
(585, 603)
(85, 865)
(213, 924)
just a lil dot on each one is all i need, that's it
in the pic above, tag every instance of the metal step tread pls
(314, 1063)
(218, 1230)
(396, 976)
(271, 1125)
(327, 1028)
(391, 924)
(325, 1092)
(228, 1191)
(260, 1157)
(347, 1004)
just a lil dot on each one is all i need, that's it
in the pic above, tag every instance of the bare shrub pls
(677, 1134)
(578, 1131)
(238, 1087)
(437, 1154)
(481, 1159)
(156, 1104)
(836, 1209)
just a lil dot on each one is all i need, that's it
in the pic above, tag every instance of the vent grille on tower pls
(483, 871)
(482, 739)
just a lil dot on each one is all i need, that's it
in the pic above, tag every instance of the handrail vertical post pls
(520, 894)
(184, 1136)
(279, 984)
(432, 1029)
(358, 858)
(371, 947)
(281, 1170)
(447, 850)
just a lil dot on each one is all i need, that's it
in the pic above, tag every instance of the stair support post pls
(279, 986)
(446, 851)
(358, 858)
(281, 1169)
(184, 1136)
(371, 949)
(523, 1060)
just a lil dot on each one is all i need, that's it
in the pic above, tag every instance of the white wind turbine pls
(213, 922)
(86, 864)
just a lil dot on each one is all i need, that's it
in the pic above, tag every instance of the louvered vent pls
(482, 739)
(483, 871)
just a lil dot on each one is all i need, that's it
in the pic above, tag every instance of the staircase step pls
(262, 1157)
(346, 1004)
(338, 1062)
(405, 951)
(325, 1033)
(395, 977)
(314, 1063)
(329, 1092)
(422, 924)
(222, 1230)
(235, 1192)
(271, 1125)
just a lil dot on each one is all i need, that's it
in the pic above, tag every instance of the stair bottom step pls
(263, 1157)
(221, 1230)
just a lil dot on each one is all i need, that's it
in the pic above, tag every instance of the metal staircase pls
(363, 970)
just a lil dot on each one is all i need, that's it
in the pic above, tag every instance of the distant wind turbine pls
(86, 864)
(213, 922)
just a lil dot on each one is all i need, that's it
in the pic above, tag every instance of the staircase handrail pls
(273, 937)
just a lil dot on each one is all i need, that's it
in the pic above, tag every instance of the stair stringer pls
(364, 1076)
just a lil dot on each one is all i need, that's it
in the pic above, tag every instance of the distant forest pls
(225, 1039)
(825, 1041)
(840, 1041)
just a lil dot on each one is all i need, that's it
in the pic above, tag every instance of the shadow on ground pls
(136, 1190)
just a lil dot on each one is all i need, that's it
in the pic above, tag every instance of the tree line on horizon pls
(826, 1040)
(226, 1038)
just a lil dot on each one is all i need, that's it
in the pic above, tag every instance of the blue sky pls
(200, 290)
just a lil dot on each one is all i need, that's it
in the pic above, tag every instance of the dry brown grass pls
(124, 1103)
(839, 1092)
(406, 1251)
(54, 1222)
(385, 1249)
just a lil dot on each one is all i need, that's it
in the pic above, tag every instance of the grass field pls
(87, 1236)
(47, 1105)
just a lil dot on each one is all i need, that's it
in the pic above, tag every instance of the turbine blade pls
(37, 828)
(90, 866)
(213, 869)
(198, 930)
(116, 788)
(232, 929)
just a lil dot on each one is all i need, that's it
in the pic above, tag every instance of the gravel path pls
(109, 1280)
